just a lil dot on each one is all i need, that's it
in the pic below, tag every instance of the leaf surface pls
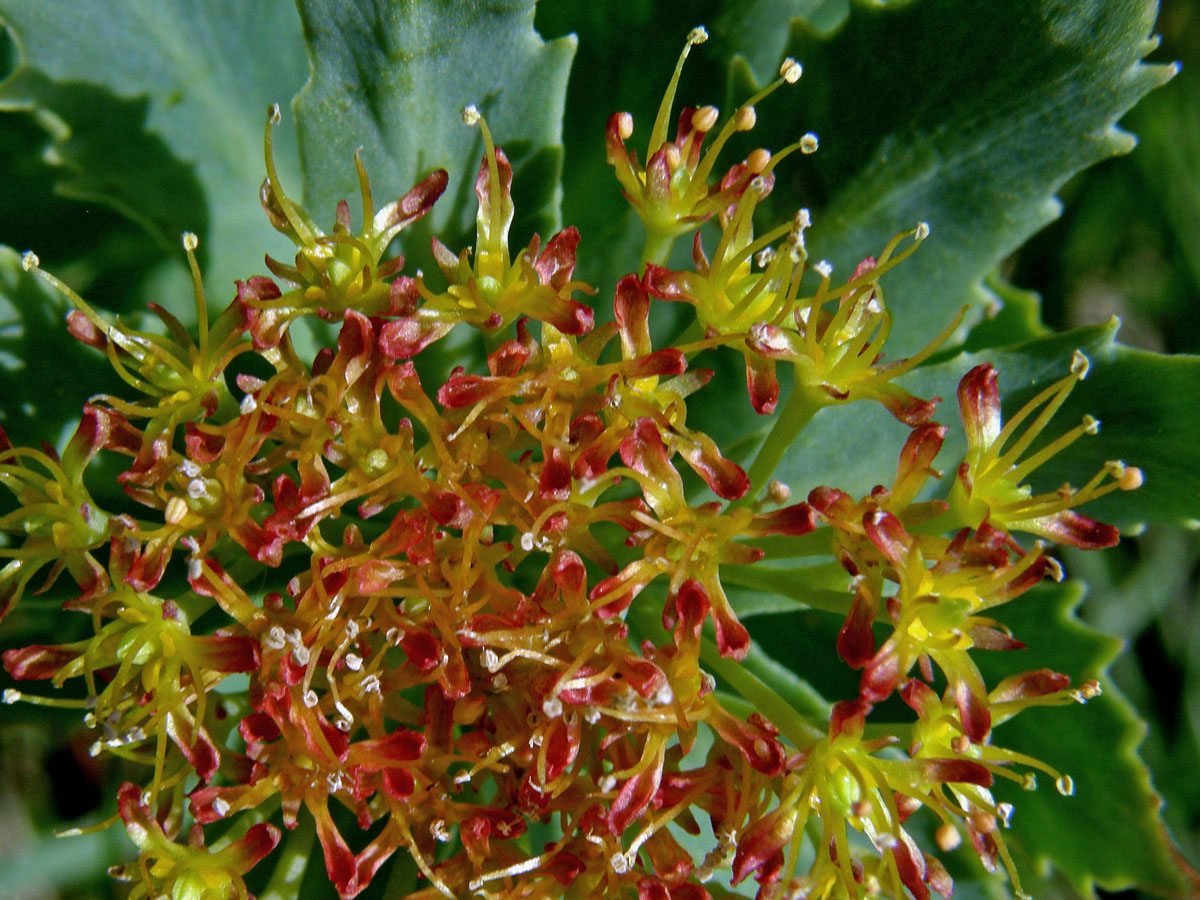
(1110, 832)
(924, 115)
(157, 109)
(393, 77)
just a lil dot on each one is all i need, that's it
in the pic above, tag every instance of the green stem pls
(292, 863)
(403, 878)
(802, 404)
(793, 716)
(658, 247)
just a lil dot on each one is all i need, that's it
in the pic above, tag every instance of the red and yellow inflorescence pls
(481, 622)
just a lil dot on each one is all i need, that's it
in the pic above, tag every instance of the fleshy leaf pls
(159, 109)
(394, 77)
(1124, 842)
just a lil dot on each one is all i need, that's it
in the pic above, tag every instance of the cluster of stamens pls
(469, 608)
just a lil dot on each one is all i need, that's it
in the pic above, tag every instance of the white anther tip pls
(809, 143)
(697, 35)
(922, 231)
(790, 70)
(274, 116)
(1080, 365)
(190, 241)
(30, 261)
(470, 114)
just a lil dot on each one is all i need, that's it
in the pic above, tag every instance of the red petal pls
(856, 639)
(973, 711)
(979, 404)
(1029, 685)
(38, 661)
(635, 795)
(556, 263)
(631, 304)
(762, 384)
(761, 842)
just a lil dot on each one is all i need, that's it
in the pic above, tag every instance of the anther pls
(353, 661)
(922, 231)
(697, 35)
(1080, 365)
(1055, 568)
(758, 160)
(190, 241)
(1091, 425)
(790, 71)
(176, 510)
(275, 639)
(198, 490)
(552, 707)
(1029, 781)
(765, 257)
(1065, 785)
(757, 186)
(311, 699)
(779, 492)
(705, 118)
(470, 114)
(273, 114)
(221, 807)
(30, 261)
(948, 837)
(439, 831)
(625, 125)
(809, 143)
(1128, 478)
(744, 118)
(1005, 812)
(10, 696)
(824, 268)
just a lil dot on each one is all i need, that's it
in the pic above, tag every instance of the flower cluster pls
(489, 608)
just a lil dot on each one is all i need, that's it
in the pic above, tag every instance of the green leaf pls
(36, 349)
(157, 108)
(1144, 401)
(393, 78)
(1110, 832)
(924, 115)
